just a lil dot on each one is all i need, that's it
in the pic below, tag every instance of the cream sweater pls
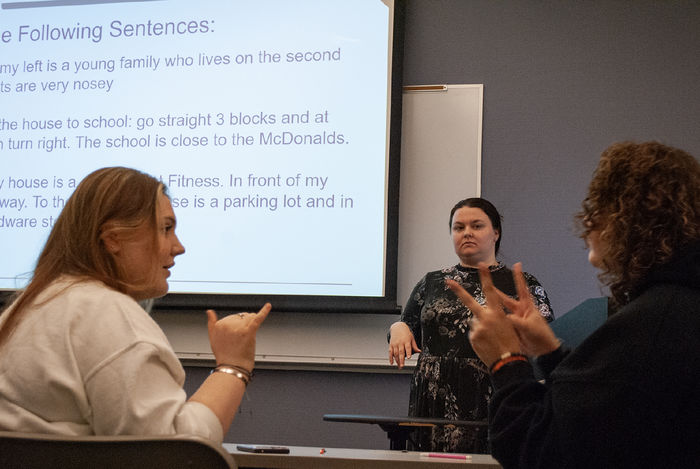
(87, 360)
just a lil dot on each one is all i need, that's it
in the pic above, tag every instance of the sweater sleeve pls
(136, 392)
(547, 363)
(627, 394)
(520, 418)
(132, 379)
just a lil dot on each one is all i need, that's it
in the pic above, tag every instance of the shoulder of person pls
(92, 304)
(91, 294)
(531, 279)
(439, 276)
(662, 302)
(431, 276)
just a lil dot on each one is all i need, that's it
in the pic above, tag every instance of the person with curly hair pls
(449, 381)
(627, 396)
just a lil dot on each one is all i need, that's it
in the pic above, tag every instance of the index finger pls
(520, 283)
(493, 299)
(464, 296)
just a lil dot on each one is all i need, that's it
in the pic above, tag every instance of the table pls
(398, 429)
(308, 457)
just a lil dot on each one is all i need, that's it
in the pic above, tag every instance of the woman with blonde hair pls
(627, 395)
(79, 356)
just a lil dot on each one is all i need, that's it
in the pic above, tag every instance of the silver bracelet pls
(229, 370)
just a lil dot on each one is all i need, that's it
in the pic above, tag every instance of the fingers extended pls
(520, 283)
(493, 300)
(465, 297)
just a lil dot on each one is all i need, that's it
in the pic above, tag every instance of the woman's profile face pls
(595, 249)
(474, 237)
(148, 272)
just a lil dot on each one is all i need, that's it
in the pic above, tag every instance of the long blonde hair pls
(115, 198)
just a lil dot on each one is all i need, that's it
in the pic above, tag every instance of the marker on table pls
(446, 455)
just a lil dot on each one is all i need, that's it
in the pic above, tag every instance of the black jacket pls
(627, 397)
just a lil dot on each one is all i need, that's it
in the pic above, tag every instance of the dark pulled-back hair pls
(644, 199)
(488, 208)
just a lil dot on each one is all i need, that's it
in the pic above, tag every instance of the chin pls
(160, 292)
(149, 294)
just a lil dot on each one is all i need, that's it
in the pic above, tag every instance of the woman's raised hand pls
(490, 332)
(493, 333)
(232, 338)
(536, 337)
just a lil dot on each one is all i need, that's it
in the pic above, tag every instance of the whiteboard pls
(440, 165)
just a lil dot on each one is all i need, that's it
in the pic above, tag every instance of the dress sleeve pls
(137, 392)
(540, 296)
(412, 311)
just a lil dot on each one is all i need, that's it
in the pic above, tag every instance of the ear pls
(111, 242)
(498, 234)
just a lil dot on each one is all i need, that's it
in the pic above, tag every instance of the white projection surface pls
(267, 120)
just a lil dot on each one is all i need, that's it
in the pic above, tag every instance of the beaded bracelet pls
(237, 371)
(507, 358)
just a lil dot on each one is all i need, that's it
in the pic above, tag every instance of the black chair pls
(35, 451)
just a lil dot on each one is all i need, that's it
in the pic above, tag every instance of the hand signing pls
(232, 338)
(490, 333)
(493, 333)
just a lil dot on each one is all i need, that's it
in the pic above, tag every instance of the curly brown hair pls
(645, 201)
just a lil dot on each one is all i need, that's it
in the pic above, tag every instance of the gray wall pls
(562, 80)
(287, 407)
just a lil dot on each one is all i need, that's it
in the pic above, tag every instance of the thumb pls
(262, 314)
(414, 345)
(211, 321)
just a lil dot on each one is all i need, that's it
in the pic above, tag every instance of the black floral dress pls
(449, 380)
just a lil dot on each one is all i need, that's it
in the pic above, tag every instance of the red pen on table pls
(446, 455)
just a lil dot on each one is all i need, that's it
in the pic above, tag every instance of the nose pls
(178, 248)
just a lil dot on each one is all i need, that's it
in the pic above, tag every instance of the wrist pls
(237, 362)
(394, 328)
(239, 372)
(506, 358)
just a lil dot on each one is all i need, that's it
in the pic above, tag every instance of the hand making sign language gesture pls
(493, 333)
(232, 337)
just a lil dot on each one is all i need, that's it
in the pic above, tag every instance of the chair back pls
(39, 451)
(577, 324)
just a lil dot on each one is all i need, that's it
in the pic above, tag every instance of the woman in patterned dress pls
(449, 380)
